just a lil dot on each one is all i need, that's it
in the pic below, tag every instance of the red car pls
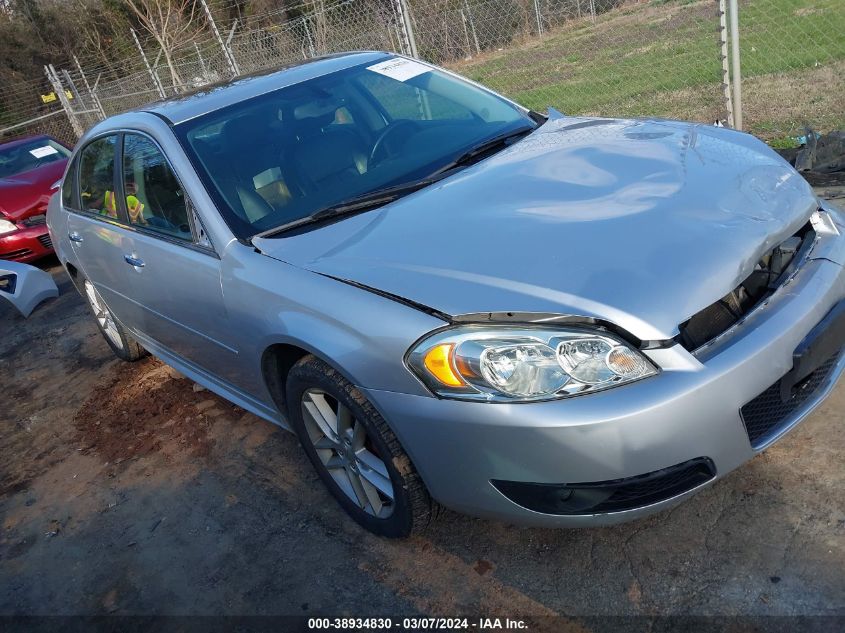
(29, 167)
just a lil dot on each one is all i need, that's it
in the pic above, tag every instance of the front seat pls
(326, 153)
(257, 160)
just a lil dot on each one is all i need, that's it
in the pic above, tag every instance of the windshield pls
(282, 156)
(19, 158)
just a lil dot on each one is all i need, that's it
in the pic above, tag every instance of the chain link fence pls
(793, 65)
(602, 57)
(24, 113)
(662, 58)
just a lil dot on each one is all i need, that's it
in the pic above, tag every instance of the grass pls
(784, 142)
(662, 59)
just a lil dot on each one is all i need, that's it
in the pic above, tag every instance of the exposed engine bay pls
(773, 269)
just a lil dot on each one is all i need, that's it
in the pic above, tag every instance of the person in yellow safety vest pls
(104, 205)
(133, 205)
(109, 204)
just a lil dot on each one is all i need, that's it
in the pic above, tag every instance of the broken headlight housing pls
(523, 364)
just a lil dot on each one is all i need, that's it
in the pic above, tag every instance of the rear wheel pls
(121, 342)
(355, 453)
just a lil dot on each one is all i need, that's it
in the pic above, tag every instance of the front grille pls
(616, 495)
(21, 252)
(767, 414)
(45, 240)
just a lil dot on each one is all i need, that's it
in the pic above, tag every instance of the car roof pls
(213, 97)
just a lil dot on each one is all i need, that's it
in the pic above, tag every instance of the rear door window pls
(97, 177)
(68, 187)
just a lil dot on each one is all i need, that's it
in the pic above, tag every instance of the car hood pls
(28, 193)
(640, 223)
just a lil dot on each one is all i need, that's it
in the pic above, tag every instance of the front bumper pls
(690, 411)
(26, 244)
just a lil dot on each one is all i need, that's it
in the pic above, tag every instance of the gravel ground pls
(123, 490)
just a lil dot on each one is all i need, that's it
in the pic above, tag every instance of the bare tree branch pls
(172, 23)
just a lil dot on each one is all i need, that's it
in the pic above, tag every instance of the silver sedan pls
(452, 299)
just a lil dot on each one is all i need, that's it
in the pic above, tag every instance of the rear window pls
(23, 157)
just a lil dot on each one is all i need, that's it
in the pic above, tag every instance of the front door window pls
(154, 197)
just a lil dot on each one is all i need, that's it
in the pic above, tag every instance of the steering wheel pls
(380, 145)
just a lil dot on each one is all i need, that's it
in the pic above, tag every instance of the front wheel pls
(355, 453)
(121, 342)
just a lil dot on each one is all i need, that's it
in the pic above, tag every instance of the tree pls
(102, 27)
(172, 23)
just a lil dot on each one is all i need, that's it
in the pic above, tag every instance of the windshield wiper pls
(380, 197)
(358, 204)
(497, 142)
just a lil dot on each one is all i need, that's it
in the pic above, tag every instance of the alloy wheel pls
(104, 316)
(347, 452)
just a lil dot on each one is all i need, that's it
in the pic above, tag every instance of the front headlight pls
(7, 227)
(508, 364)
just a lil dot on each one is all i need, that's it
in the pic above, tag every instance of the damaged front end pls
(771, 272)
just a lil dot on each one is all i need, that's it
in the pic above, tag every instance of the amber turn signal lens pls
(438, 361)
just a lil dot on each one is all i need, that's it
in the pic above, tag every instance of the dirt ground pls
(123, 490)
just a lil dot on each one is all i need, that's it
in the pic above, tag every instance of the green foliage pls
(784, 142)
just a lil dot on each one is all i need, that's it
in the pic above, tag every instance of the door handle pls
(73, 236)
(133, 261)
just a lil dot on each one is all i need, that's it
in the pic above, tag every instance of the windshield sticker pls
(41, 152)
(399, 69)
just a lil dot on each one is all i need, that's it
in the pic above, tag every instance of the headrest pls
(317, 108)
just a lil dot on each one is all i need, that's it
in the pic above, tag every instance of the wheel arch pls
(276, 363)
(278, 358)
(75, 275)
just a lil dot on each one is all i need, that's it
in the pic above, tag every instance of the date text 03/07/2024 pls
(417, 624)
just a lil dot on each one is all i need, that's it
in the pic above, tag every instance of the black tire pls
(123, 345)
(412, 508)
